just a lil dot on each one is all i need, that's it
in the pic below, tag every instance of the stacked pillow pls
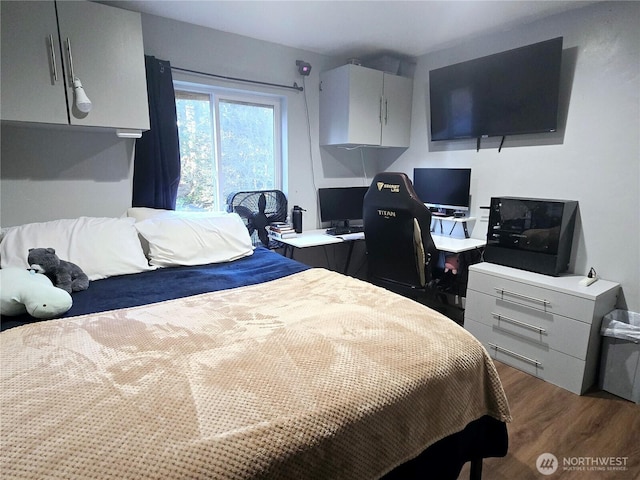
(105, 247)
(191, 238)
(102, 247)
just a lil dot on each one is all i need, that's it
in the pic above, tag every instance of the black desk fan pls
(258, 209)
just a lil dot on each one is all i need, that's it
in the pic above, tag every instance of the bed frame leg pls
(475, 472)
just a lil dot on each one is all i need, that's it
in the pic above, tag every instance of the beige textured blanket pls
(315, 375)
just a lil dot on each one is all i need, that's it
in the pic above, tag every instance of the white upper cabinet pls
(33, 88)
(362, 106)
(103, 46)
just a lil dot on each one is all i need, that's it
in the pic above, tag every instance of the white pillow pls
(145, 213)
(142, 213)
(3, 232)
(102, 247)
(180, 239)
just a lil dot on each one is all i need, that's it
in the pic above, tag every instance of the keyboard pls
(345, 230)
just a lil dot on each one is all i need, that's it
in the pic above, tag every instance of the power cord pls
(313, 173)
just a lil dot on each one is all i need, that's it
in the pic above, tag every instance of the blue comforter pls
(170, 283)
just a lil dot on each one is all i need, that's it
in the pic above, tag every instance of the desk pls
(456, 245)
(314, 238)
(319, 237)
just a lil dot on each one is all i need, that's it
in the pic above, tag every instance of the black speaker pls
(304, 68)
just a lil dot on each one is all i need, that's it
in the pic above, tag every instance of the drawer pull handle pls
(518, 322)
(503, 292)
(514, 354)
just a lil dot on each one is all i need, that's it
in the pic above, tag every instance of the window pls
(229, 142)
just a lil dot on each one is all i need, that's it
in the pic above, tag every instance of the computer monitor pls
(443, 188)
(340, 205)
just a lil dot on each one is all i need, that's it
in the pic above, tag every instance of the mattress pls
(312, 375)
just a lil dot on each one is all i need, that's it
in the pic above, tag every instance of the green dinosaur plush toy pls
(25, 291)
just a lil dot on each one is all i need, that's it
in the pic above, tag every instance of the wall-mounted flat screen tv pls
(509, 93)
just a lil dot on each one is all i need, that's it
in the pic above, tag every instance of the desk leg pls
(464, 227)
(346, 266)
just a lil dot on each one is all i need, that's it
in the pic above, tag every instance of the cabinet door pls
(396, 122)
(350, 106)
(108, 58)
(30, 64)
(365, 105)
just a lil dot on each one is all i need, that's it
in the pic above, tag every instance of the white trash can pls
(620, 360)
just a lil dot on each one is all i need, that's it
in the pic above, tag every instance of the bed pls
(255, 366)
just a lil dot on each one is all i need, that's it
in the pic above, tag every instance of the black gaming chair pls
(400, 251)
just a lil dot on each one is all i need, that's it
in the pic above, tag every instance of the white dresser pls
(546, 326)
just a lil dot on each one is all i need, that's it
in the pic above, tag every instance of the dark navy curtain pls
(156, 168)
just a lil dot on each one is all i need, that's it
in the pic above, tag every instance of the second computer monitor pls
(443, 188)
(339, 205)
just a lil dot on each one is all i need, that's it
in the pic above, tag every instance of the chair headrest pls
(392, 187)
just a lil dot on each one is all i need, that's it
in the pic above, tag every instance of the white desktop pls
(319, 237)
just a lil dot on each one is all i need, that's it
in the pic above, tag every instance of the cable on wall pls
(364, 169)
(313, 172)
(235, 79)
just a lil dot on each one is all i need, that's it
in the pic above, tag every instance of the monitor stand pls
(339, 223)
(463, 220)
(342, 227)
(442, 212)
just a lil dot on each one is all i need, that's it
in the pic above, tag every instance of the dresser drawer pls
(544, 299)
(545, 363)
(549, 330)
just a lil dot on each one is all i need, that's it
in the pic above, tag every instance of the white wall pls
(55, 172)
(594, 159)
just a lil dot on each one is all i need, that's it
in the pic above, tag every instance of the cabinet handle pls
(71, 72)
(386, 111)
(514, 354)
(380, 111)
(503, 292)
(518, 322)
(53, 59)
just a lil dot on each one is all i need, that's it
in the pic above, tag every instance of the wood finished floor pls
(550, 419)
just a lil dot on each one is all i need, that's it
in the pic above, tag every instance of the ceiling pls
(356, 28)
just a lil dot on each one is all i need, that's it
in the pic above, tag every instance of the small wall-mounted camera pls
(304, 68)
